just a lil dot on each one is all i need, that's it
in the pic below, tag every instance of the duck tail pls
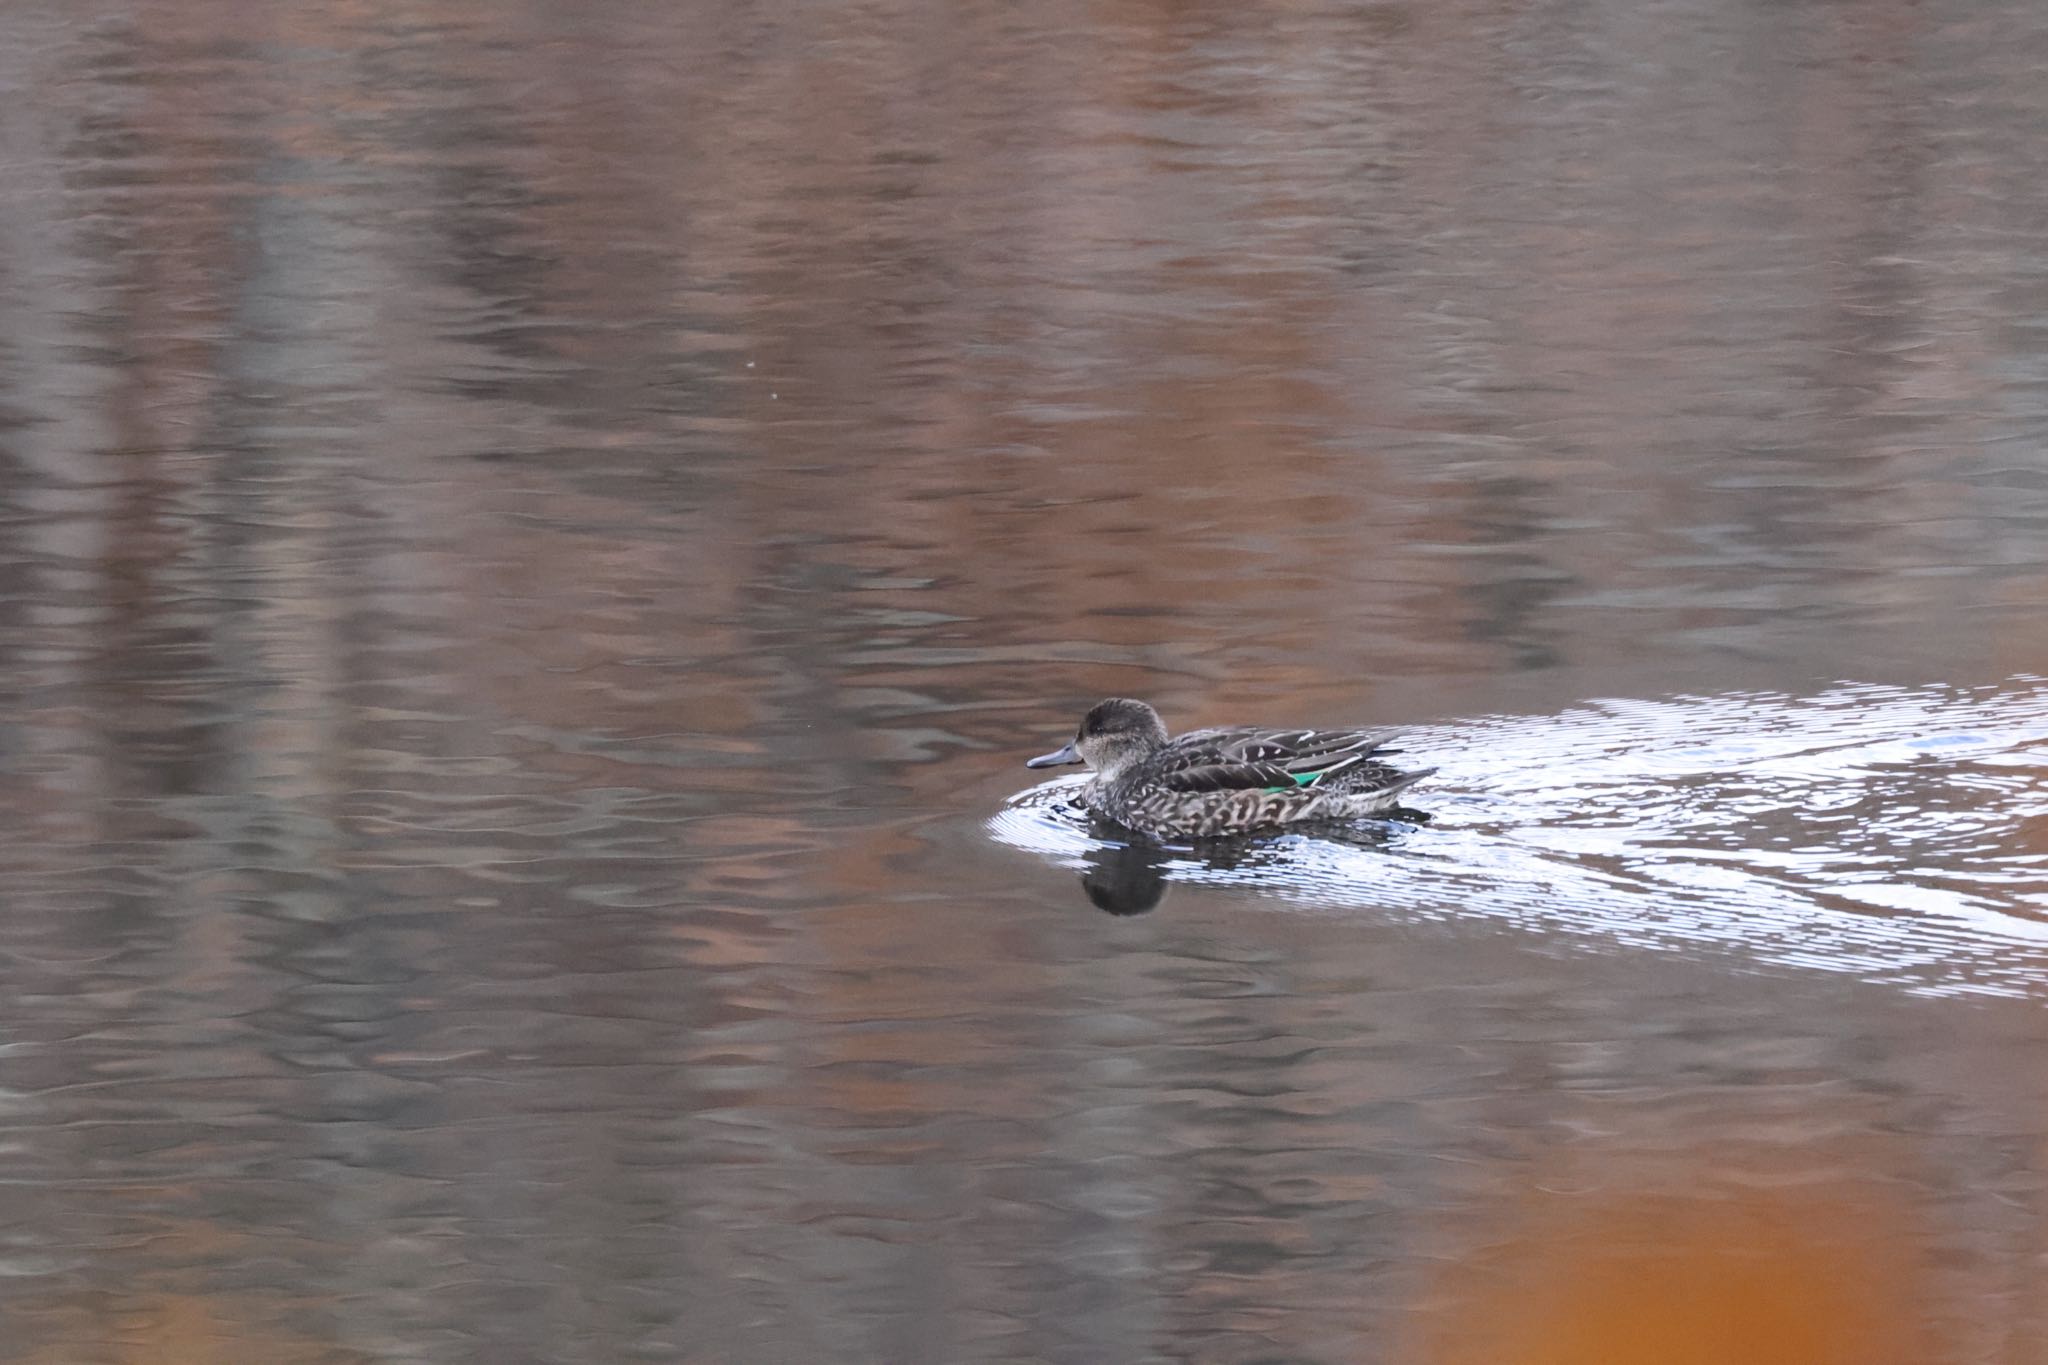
(1396, 784)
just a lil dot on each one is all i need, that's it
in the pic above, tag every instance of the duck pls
(1228, 781)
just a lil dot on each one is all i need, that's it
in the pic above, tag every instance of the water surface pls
(534, 541)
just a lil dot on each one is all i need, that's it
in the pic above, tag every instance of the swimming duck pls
(1229, 781)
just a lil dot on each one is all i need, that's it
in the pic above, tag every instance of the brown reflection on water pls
(190, 1331)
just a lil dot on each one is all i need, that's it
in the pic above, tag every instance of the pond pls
(535, 541)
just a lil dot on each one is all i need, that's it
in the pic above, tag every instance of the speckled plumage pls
(1238, 780)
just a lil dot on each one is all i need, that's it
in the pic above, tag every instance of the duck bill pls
(1058, 758)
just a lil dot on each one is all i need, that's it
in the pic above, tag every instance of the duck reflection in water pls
(1126, 874)
(1124, 878)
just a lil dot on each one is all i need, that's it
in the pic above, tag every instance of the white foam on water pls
(1898, 834)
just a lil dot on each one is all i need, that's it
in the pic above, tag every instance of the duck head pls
(1113, 735)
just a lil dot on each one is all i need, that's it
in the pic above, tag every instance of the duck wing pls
(1235, 760)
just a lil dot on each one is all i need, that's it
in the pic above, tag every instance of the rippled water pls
(534, 541)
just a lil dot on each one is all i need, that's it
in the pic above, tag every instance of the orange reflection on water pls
(1724, 1276)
